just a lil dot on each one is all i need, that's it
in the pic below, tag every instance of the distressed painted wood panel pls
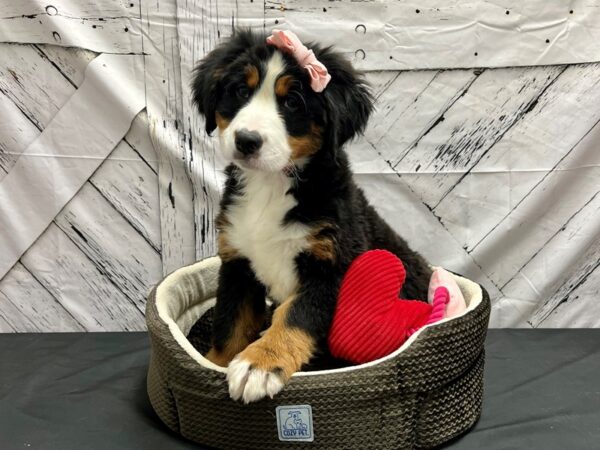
(16, 133)
(574, 311)
(116, 179)
(14, 319)
(89, 296)
(165, 117)
(139, 140)
(122, 186)
(5, 324)
(413, 102)
(529, 165)
(540, 215)
(392, 35)
(103, 25)
(409, 34)
(572, 305)
(539, 286)
(82, 9)
(69, 61)
(23, 80)
(537, 141)
(131, 186)
(443, 156)
(122, 256)
(35, 302)
(71, 148)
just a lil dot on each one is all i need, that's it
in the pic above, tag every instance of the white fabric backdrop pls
(482, 152)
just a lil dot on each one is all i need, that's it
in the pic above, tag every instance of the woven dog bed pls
(425, 393)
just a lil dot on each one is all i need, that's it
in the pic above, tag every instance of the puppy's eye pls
(291, 103)
(243, 92)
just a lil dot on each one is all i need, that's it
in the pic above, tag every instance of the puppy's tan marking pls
(283, 85)
(221, 221)
(322, 242)
(306, 145)
(282, 349)
(226, 251)
(252, 76)
(222, 122)
(245, 330)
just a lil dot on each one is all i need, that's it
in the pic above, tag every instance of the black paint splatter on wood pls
(171, 196)
(79, 233)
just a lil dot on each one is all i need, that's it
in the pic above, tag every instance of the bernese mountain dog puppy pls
(292, 219)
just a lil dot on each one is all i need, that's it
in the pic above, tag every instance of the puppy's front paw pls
(258, 372)
(249, 384)
(262, 369)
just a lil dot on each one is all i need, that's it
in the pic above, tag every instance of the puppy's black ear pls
(209, 72)
(205, 83)
(348, 100)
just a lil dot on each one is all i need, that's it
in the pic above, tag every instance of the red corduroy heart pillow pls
(370, 320)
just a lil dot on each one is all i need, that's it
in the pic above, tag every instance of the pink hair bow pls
(288, 42)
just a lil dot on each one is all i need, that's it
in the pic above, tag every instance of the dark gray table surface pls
(87, 391)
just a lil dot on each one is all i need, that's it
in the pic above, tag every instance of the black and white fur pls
(291, 221)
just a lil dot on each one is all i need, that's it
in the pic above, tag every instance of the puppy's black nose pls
(247, 142)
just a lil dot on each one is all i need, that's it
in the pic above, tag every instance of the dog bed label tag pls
(294, 423)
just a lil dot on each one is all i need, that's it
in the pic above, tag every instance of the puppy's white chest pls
(257, 231)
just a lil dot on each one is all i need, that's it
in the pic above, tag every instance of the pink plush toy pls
(371, 321)
(456, 303)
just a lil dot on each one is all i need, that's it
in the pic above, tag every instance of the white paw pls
(250, 385)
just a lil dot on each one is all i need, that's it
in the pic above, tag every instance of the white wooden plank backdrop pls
(410, 34)
(95, 262)
(70, 148)
(111, 26)
(485, 137)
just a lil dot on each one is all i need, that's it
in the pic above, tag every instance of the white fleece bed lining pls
(186, 294)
